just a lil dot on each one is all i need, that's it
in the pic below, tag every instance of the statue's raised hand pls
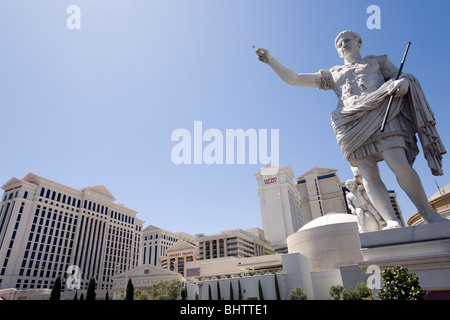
(263, 54)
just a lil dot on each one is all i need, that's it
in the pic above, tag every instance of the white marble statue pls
(368, 218)
(363, 87)
(359, 184)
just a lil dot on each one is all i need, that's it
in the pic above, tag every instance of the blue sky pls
(98, 105)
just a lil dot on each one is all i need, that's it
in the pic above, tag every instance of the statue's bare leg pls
(360, 219)
(377, 192)
(375, 214)
(409, 181)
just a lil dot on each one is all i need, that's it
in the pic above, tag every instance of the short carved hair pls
(354, 34)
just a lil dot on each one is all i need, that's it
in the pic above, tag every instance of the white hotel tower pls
(45, 227)
(280, 205)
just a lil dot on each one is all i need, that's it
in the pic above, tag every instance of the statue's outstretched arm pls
(289, 76)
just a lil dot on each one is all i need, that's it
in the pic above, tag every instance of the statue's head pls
(350, 185)
(347, 42)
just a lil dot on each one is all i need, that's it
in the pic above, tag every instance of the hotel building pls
(178, 255)
(157, 241)
(439, 202)
(233, 243)
(321, 192)
(287, 205)
(45, 227)
(279, 199)
(396, 206)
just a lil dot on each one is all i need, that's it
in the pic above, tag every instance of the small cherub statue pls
(367, 217)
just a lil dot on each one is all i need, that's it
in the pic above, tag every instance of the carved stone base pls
(423, 249)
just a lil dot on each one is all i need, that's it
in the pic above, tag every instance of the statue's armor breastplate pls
(355, 80)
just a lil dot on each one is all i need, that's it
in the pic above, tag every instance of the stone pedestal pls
(423, 249)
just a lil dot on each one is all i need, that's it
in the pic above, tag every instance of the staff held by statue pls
(388, 109)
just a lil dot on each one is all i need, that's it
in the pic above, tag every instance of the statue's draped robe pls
(362, 90)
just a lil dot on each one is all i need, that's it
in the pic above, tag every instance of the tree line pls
(398, 284)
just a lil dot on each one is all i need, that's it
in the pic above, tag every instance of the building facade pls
(321, 192)
(233, 243)
(279, 200)
(156, 241)
(439, 202)
(247, 278)
(178, 255)
(143, 277)
(395, 205)
(45, 227)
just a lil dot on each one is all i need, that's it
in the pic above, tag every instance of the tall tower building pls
(45, 227)
(396, 206)
(321, 192)
(280, 205)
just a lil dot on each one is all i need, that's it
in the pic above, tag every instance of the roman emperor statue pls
(363, 86)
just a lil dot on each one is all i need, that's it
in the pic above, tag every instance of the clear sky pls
(98, 105)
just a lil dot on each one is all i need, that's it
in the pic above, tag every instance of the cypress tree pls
(75, 297)
(219, 295)
(82, 296)
(209, 292)
(55, 294)
(239, 290)
(183, 293)
(231, 291)
(129, 291)
(277, 289)
(107, 296)
(196, 295)
(90, 294)
(260, 292)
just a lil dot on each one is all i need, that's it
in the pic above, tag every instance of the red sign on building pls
(270, 180)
